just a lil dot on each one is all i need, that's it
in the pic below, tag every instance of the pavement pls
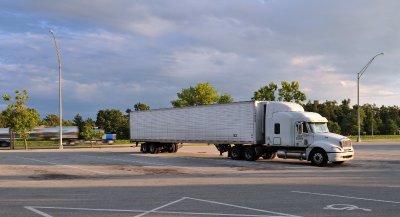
(195, 181)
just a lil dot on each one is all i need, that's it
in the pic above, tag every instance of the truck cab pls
(293, 133)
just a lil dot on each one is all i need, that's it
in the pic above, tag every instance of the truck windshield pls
(319, 127)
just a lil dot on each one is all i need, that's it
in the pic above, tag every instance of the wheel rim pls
(235, 153)
(318, 158)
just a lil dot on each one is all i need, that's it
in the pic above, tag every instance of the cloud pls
(116, 53)
(305, 60)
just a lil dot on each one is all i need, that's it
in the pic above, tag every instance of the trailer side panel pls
(220, 124)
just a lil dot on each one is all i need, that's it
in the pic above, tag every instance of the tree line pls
(342, 117)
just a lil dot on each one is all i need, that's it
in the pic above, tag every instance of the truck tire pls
(175, 147)
(154, 148)
(145, 147)
(318, 157)
(237, 152)
(172, 148)
(250, 153)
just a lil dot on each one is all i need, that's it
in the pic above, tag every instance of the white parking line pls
(160, 207)
(241, 207)
(357, 198)
(34, 209)
(37, 211)
(157, 210)
(57, 164)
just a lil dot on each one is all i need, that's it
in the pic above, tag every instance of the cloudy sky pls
(118, 52)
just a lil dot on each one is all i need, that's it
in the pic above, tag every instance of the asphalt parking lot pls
(196, 181)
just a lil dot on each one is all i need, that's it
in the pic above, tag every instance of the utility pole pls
(358, 93)
(59, 87)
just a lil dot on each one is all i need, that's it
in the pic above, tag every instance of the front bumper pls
(340, 156)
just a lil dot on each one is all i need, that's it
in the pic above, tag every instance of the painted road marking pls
(348, 207)
(160, 207)
(36, 210)
(241, 207)
(57, 164)
(357, 198)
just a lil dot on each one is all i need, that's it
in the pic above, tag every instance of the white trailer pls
(246, 130)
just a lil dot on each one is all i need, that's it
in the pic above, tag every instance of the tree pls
(51, 120)
(225, 98)
(291, 91)
(334, 127)
(288, 92)
(2, 120)
(113, 121)
(201, 94)
(89, 131)
(19, 118)
(266, 93)
(140, 107)
(79, 122)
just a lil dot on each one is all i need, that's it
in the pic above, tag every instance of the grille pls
(345, 143)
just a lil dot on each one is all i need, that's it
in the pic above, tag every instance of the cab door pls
(299, 134)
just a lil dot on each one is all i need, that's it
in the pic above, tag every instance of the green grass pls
(377, 138)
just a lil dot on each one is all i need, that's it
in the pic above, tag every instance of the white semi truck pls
(246, 130)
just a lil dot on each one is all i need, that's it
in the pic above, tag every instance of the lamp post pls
(59, 87)
(358, 93)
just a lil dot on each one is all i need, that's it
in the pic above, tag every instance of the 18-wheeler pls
(246, 130)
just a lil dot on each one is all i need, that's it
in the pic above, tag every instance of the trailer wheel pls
(172, 148)
(175, 147)
(145, 147)
(318, 157)
(154, 148)
(250, 153)
(237, 152)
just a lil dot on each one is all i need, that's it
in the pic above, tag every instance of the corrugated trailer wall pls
(219, 123)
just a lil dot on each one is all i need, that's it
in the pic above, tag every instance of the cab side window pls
(305, 130)
(277, 128)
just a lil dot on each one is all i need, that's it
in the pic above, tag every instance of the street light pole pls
(358, 93)
(59, 87)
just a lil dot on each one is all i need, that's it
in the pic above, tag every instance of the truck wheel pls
(237, 152)
(154, 149)
(250, 154)
(319, 158)
(175, 147)
(170, 148)
(145, 147)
